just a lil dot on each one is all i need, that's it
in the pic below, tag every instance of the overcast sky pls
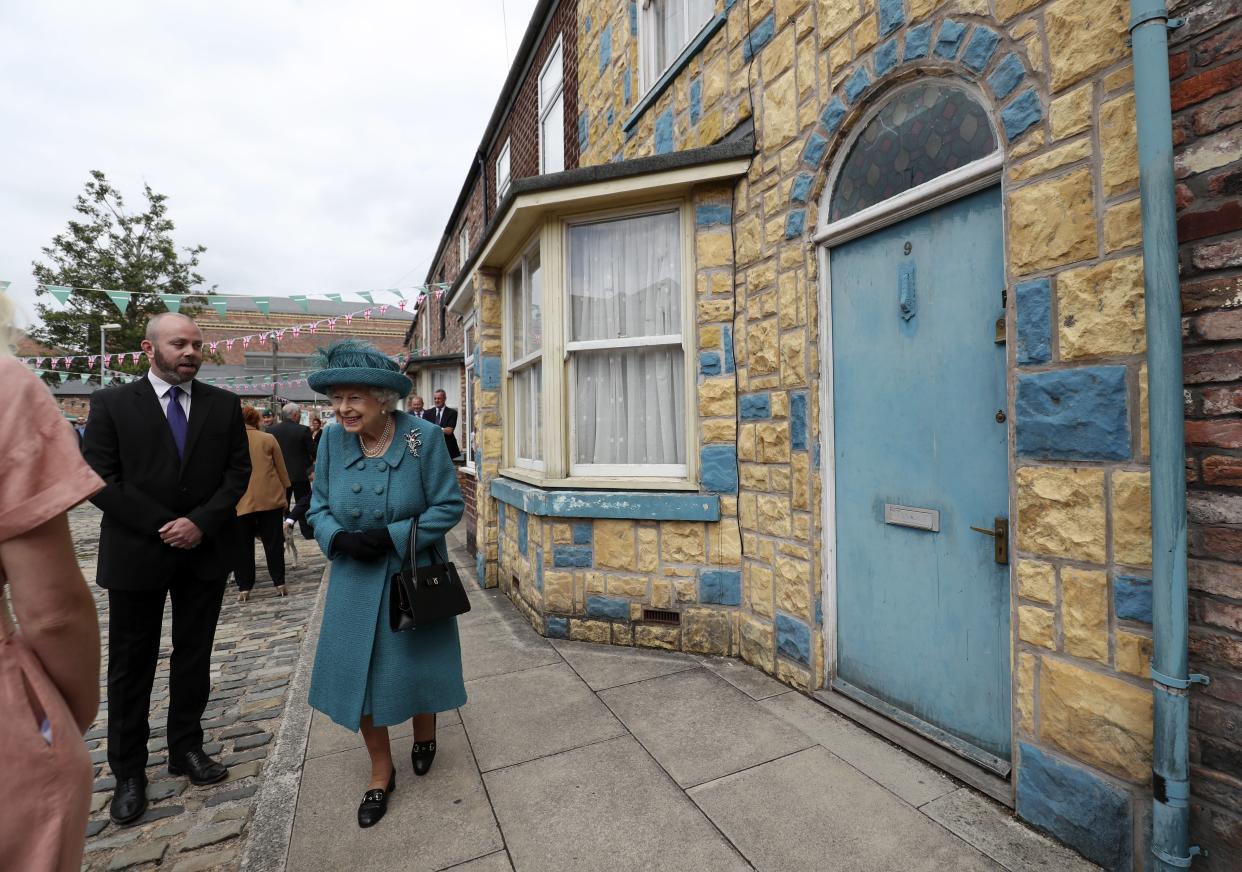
(311, 146)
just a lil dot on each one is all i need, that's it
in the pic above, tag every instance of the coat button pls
(377, 514)
(362, 464)
(381, 466)
(357, 513)
(356, 488)
(379, 489)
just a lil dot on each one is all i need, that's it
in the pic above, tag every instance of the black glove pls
(379, 540)
(358, 546)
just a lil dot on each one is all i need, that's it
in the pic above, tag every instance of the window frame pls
(523, 364)
(547, 104)
(463, 247)
(647, 29)
(504, 182)
(468, 365)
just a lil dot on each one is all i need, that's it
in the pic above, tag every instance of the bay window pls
(467, 416)
(525, 282)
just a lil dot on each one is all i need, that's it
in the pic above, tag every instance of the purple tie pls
(176, 419)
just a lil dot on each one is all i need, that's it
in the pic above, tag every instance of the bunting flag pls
(61, 293)
(134, 355)
(331, 323)
(302, 301)
(90, 361)
(395, 292)
(367, 314)
(366, 295)
(336, 298)
(221, 306)
(263, 304)
(4, 286)
(120, 299)
(172, 301)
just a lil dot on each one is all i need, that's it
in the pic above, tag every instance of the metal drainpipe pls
(1149, 25)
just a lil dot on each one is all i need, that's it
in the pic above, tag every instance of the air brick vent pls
(662, 616)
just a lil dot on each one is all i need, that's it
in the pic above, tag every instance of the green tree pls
(109, 247)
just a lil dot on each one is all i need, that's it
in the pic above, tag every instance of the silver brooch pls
(414, 441)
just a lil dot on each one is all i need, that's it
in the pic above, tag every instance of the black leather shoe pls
(199, 767)
(421, 756)
(129, 801)
(375, 803)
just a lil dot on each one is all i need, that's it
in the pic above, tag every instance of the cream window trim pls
(598, 482)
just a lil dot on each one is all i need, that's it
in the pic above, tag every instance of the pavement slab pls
(498, 862)
(327, 737)
(499, 647)
(605, 666)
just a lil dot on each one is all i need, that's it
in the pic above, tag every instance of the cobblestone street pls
(257, 647)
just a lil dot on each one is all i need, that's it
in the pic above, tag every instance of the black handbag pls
(422, 595)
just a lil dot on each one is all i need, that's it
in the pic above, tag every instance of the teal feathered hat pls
(356, 362)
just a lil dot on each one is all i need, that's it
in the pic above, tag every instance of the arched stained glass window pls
(923, 132)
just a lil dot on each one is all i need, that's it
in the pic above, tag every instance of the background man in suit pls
(447, 419)
(174, 456)
(299, 451)
(416, 406)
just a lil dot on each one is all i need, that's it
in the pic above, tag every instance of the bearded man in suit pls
(175, 459)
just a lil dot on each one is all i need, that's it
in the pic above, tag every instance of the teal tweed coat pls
(361, 666)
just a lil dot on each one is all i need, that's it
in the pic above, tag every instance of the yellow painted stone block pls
(648, 558)
(726, 543)
(1123, 226)
(800, 480)
(715, 77)
(558, 592)
(628, 585)
(757, 643)
(973, 7)
(594, 582)
(1007, 9)
(867, 34)
(717, 398)
(774, 515)
(1119, 145)
(1143, 425)
(779, 477)
(687, 590)
(1040, 235)
(1119, 79)
(793, 589)
(1031, 143)
(834, 19)
(1084, 613)
(749, 234)
(705, 631)
(762, 348)
(715, 311)
(753, 476)
(622, 634)
(682, 542)
(1049, 161)
(1133, 654)
(709, 336)
(590, 631)
(780, 404)
(1061, 512)
(653, 636)
(746, 445)
(1096, 718)
(793, 675)
(840, 55)
(778, 55)
(1027, 665)
(713, 249)
(715, 431)
(1084, 38)
(761, 590)
(614, 544)
(793, 359)
(773, 441)
(1132, 518)
(661, 595)
(1037, 581)
(1101, 309)
(1037, 626)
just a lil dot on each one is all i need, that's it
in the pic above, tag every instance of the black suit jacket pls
(129, 444)
(297, 447)
(448, 419)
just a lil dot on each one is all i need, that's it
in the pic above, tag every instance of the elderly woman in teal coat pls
(377, 470)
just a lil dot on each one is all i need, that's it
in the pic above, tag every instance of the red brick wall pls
(386, 334)
(1205, 66)
(468, 486)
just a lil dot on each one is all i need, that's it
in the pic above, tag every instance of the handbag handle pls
(410, 553)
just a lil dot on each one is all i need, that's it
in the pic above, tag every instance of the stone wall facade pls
(1205, 65)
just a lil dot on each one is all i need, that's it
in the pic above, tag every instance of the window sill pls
(618, 504)
(668, 76)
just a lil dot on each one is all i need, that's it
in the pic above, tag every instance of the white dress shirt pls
(161, 391)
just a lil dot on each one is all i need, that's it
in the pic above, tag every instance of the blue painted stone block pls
(760, 36)
(755, 406)
(696, 100)
(1008, 74)
(664, 132)
(583, 131)
(832, 115)
(980, 49)
(489, 372)
(795, 223)
(709, 362)
(1033, 320)
(892, 16)
(605, 47)
(582, 534)
(523, 533)
(814, 151)
(586, 23)
(726, 342)
(819, 612)
(918, 42)
(721, 586)
(1074, 414)
(557, 628)
(713, 214)
(633, 17)
(718, 468)
(885, 57)
(577, 556)
(793, 638)
(608, 608)
(1132, 598)
(501, 515)
(611, 116)
(801, 188)
(857, 84)
(627, 87)
(539, 570)
(949, 40)
(1021, 114)
(1078, 807)
(480, 565)
(815, 457)
(797, 420)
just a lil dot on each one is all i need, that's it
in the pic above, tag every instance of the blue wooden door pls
(919, 379)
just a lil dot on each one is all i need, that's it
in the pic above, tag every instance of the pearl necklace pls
(382, 445)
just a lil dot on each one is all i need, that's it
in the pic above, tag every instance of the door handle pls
(1000, 539)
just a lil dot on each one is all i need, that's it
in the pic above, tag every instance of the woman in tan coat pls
(261, 510)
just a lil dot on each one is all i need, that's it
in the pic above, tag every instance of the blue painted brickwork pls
(571, 556)
(557, 628)
(489, 372)
(605, 47)
(696, 100)
(633, 17)
(814, 151)
(726, 342)
(760, 36)
(583, 131)
(718, 468)
(664, 132)
(709, 362)
(713, 214)
(857, 84)
(721, 586)
(1033, 320)
(586, 24)
(755, 406)
(949, 40)
(627, 86)
(1008, 75)
(480, 566)
(793, 638)
(611, 116)
(980, 49)
(608, 608)
(892, 16)
(795, 223)
(832, 115)
(1079, 808)
(606, 504)
(539, 570)
(1132, 598)
(797, 421)
(523, 533)
(801, 188)
(1023, 112)
(501, 516)
(815, 451)
(1073, 414)
(582, 534)
(886, 57)
(918, 41)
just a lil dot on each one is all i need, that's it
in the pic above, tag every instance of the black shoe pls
(201, 769)
(129, 801)
(421, 756)
(375, 803)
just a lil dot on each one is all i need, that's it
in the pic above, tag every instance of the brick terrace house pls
(828, 293)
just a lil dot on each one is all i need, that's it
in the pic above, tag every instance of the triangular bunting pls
(263, 304)
(4, 286)
(366, 295)
(120, 299)
(336, 298)
(301, 300)
(221, 307)
(172, 302)
(61, 293)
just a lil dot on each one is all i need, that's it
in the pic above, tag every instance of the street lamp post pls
(103, 350)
